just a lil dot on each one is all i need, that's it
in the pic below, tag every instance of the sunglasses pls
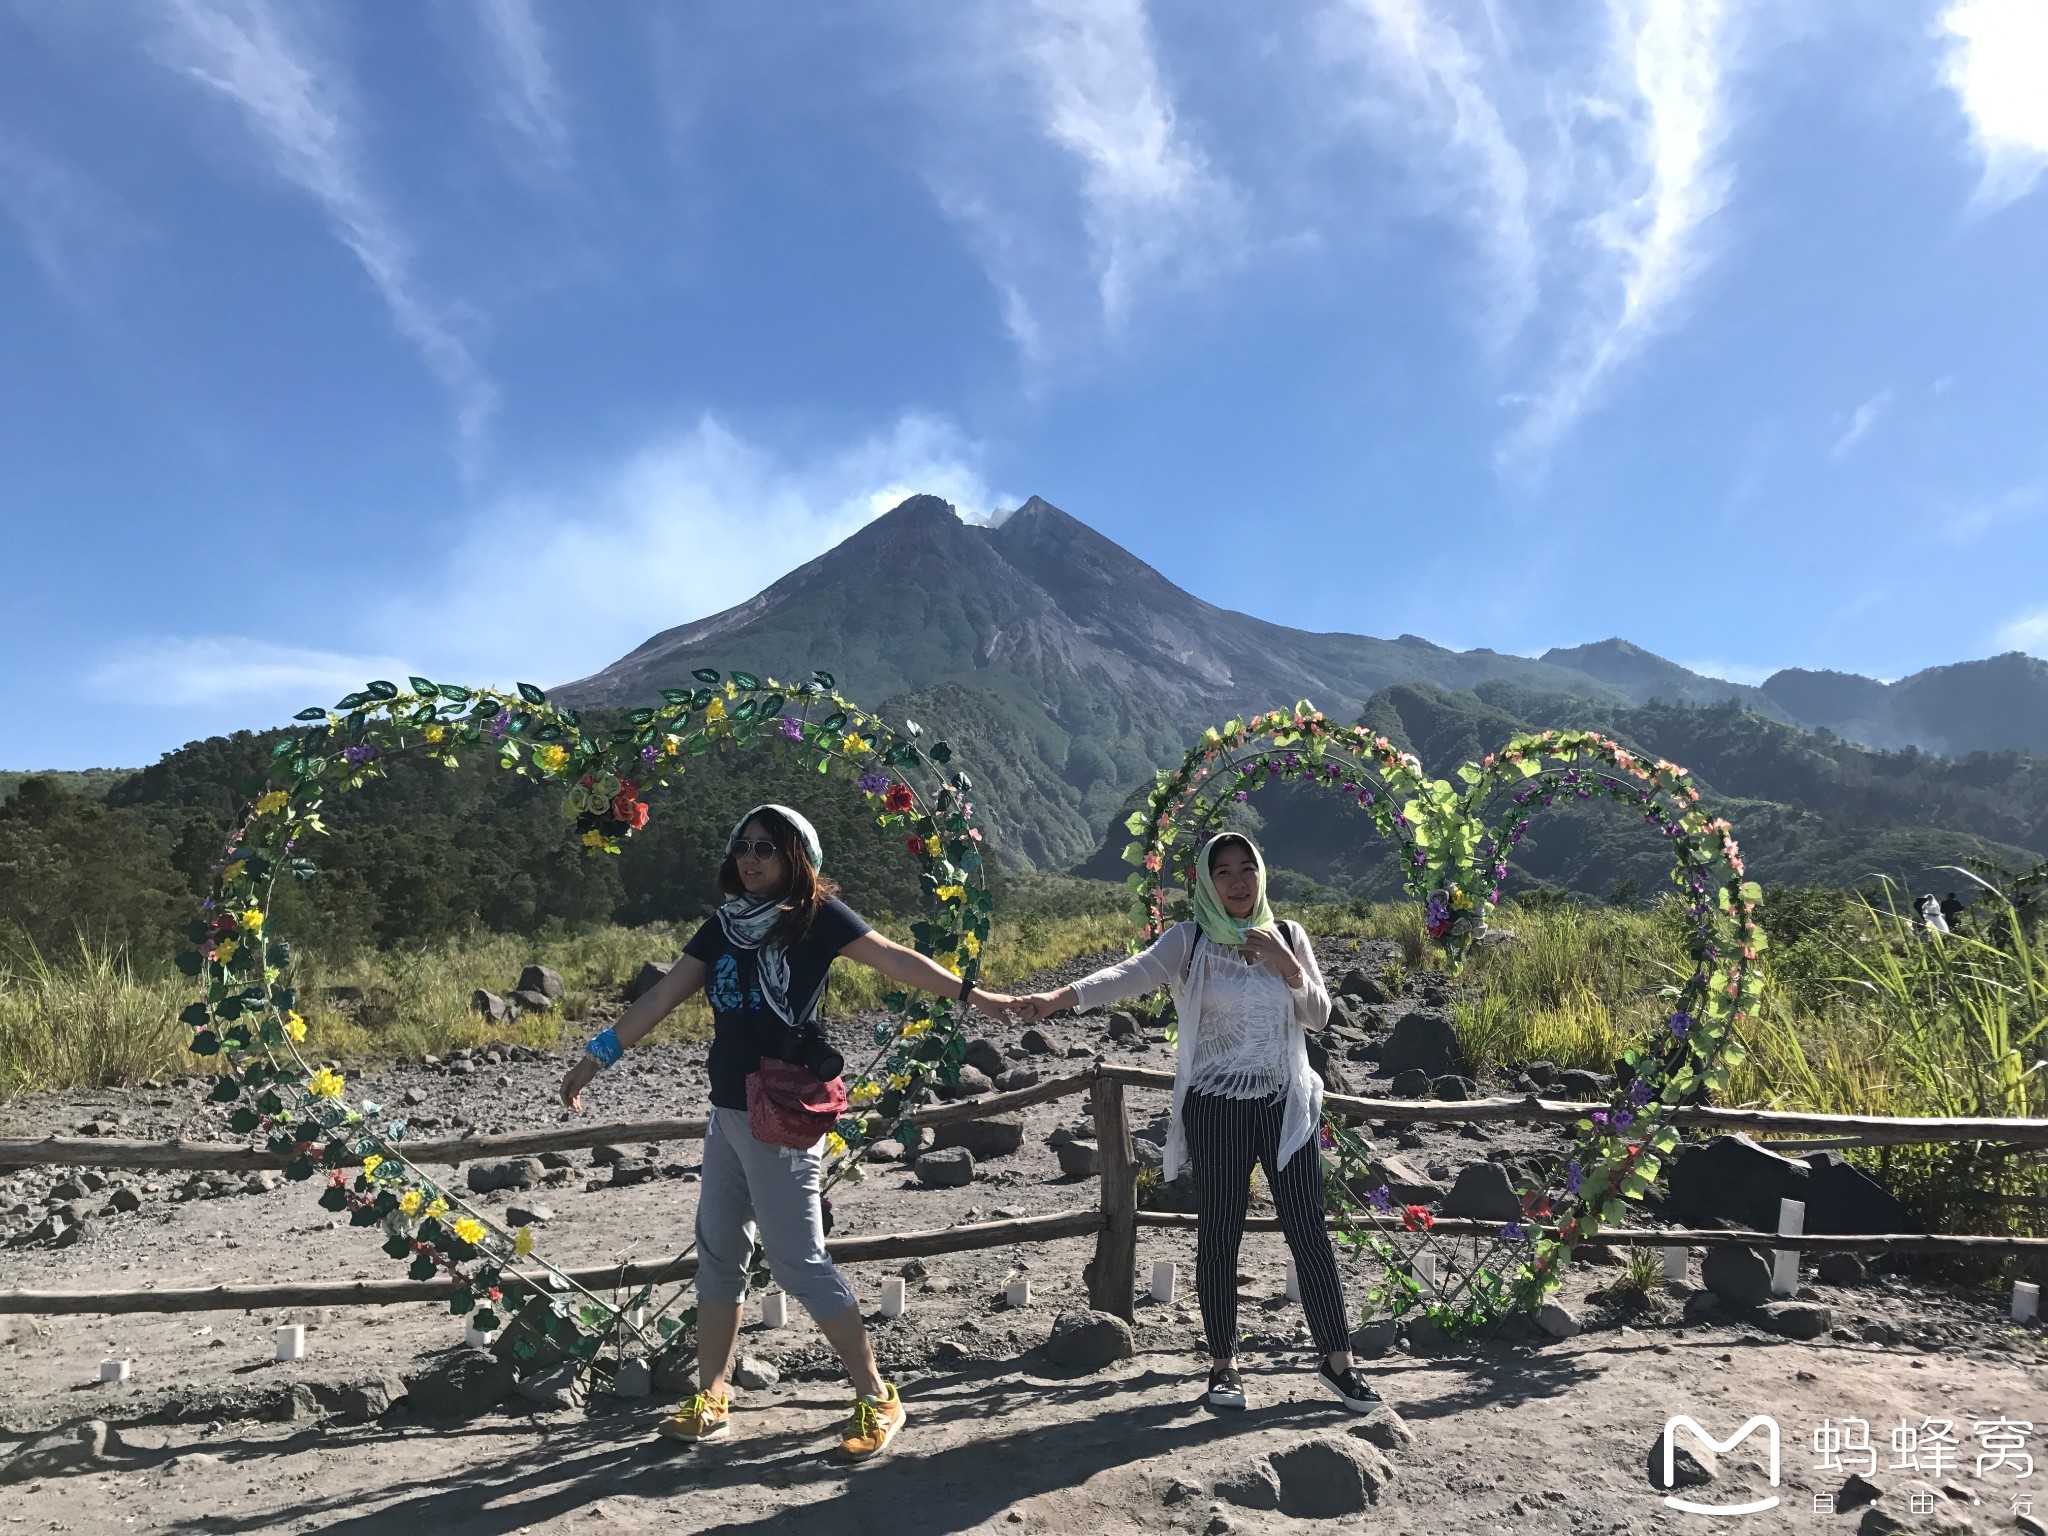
(760, 847)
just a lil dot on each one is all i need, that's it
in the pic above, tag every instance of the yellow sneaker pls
(703, 1417)
(873, 1425)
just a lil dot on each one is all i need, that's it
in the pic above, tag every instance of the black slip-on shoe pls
(1226, 1388)
(1349, 1388)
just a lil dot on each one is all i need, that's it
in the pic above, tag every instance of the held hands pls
(577, 1080)
(1035, 1006)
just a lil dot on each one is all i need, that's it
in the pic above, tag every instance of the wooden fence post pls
(1113, 1275)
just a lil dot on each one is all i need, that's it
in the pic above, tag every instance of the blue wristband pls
(605, 1047)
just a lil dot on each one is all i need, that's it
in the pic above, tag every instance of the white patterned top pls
(1247, 1019)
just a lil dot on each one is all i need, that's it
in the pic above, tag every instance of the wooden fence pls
(1114, 1222)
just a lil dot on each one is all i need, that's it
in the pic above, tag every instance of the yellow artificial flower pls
(370, 1164)
(672, 746)
(410, 1202)
(272, 803)
(932, 845)
(435, 734)
(593, 838)
(949, 960)
(899, 1081)
(863, 1094)
(436, 1209)
(950, 892)
(469, 1229)
(233, 872)
(326, 1084)
(917, 1029)
(835, 1144)
(252, 920)
(294, 1026)
(1460, 900)
(971, 943)
(552, 757)
(715, 710)
(522, 1241)
(852, 745)
(224, 951)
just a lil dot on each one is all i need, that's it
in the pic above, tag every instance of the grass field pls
(1865, 1014)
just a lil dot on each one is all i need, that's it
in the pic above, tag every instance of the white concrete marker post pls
(1424, 1270)
(117, 1370)
(1674, 1263)
(478, 1338)
(892, 1298)
(775, 1309)
(1018, 1292)
(1164, 1274)
(1785, 1261)
(1293, 1286)
(2026, 1301)
(291, 1341)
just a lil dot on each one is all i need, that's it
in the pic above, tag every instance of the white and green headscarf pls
(1217, 925)
(748, 920)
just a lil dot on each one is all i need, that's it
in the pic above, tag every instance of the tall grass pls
(93, 1020)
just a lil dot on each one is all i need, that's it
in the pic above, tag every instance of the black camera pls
(809, 1049)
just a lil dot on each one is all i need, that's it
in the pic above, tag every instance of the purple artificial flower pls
(1240, 797)
(1639, 1092)
(1573, 1176)
(1293, 761)
(1419, 858)
(501, 722)
(1599, 1119)
(1436, 912)
(1680, 1024)
(1500, 871)
(355, 757)
(1329, 1139)
(1381, 1199)
(1513, 1232)
(1366, 797)
(1623, 1119)
(1272, 766)
(791, 729)
(1651, 818)
(872, 783)
(648, 753)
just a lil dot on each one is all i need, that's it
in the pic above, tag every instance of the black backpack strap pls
(1189, 969)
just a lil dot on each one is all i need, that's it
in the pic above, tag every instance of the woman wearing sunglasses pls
(763, 958)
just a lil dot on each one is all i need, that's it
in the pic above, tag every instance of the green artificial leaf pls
(823, 680)
(353, 701)
(225, 1091)
(423, 688)
(299, 1169)
(204, 1043)
(398, 1247)
(196, 1015)
(639, 716)
(745, 709)
(334, 1198)
(485, 1320)
(362, 1216)
(677, 696)
(243, 1121)
(311, 714)
(706, 675)
(836, 721)
(940, 752)
(422, 1267)
(283, 748)
(746, 680)
(531, 694)
(191, 962)
(383, 690)
(454, 693)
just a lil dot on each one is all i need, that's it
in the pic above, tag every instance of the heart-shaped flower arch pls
(248, 1015)
(1454, 841)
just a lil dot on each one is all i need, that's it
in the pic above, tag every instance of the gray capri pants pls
(751, 1187)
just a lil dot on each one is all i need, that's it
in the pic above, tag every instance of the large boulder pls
(538, 978)
(1077, 1159)
(1841, 1199)
(516, 1173)
(971, 1083)
(1361, 984)
(1581, 1086)
(1483, 1192)
(945, 1168)
(1405, 1184)
(1086, 1340)
(1426, 1041)
(987, 1058)
(1739, 1276)
(460, 1385)
(1329, 1476)
(1732, 1179)
(1327, 1067)
(997, 1136)
(647, 978)
(492, 1007)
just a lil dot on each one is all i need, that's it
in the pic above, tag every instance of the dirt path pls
(210, 1434)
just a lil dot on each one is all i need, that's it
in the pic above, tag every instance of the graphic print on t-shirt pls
(724, 991)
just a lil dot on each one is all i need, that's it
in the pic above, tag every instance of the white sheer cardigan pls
(1165, 964)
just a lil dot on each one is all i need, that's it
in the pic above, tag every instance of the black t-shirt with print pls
(744, 1028)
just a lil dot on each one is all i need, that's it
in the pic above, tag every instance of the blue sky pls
(483, 338)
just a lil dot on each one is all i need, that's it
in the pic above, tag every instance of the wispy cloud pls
(2028, 632)
(217, 669)
(1861, 422)
(523, 92)
(1086, 78)
(1655, 123)
(1747, 673)
(297, 106)
(1996, 61)
(73, 227)
(1430, 92)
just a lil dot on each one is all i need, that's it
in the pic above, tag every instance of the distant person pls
(766, 954)
(1246, 995)
(1930, 914)
(1951, 909)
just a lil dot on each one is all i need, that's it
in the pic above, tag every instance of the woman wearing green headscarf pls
(1246, 990)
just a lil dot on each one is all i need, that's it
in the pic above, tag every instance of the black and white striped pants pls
(1226, 1137)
